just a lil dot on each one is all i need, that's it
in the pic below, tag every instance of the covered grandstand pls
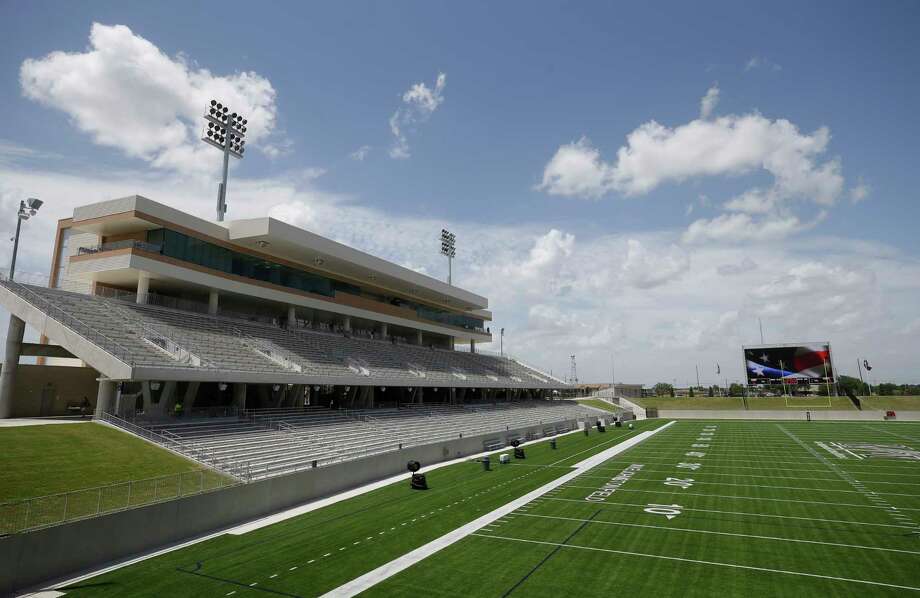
(282, 340)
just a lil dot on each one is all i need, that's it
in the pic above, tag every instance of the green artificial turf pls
(357, 535)
(761, 509)
(48, 459)
(766, 514)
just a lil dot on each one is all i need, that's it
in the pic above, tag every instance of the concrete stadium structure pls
(172, 309)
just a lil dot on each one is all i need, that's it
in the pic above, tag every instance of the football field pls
(698, 508)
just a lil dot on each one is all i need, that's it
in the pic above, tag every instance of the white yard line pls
(742, 513)
(860, 465)
(863, 492)
(372, 578)
(796, 469)
(701, 562)
(714, 533)
(807, 502)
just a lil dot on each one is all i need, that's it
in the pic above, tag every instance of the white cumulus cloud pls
(736, 228)
(731, 145)
(646, 269)
(709, 102)
(129, 95)
(418, 104)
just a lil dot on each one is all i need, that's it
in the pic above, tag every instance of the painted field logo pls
(865, 450)
(615, 482)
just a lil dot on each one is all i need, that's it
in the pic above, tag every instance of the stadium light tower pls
(449, 248)
(226, 131)
(27, 209)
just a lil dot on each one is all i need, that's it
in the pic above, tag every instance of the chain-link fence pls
(54, 509)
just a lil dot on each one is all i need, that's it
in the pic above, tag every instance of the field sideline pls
(734, 508)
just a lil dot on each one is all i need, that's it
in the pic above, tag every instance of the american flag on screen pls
(803, 364)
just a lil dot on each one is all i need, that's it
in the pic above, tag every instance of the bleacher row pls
(237, 345)
(275, 441)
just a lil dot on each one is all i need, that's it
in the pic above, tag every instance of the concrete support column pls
(167, 398)
(295, 397)
(213, 302)
(146, 392)
(472, 345)
(105, 397)
(346, 323)
(291, 316)
(191, 393)
(14, 336)
(143, 287)
(383, 329)
(239, 395)
(418, 336)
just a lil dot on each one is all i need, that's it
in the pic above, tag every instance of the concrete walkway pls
(39, 421)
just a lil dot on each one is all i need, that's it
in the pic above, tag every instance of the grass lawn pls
(690, 403)
(730, 508)
(41, 460)
(599, 404)
(894, 403)
(753, 403)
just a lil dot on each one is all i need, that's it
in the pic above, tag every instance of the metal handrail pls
(279, 355)
(173, 444)
(40, 512)
(67, 319)
(190, 358)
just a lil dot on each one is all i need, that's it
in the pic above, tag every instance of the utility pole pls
(613, 375)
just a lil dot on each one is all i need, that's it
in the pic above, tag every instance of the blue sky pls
(812, 134)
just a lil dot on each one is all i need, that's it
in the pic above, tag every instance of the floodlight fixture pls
(225, 132)
(27, 209)
(448, 249)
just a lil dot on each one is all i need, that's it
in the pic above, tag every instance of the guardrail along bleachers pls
(275, 441)
(233, 344)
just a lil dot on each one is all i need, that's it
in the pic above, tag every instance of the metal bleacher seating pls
(133, 332)
(271, 442)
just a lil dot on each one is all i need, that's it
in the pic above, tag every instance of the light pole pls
(226, 131)
(449, 248)
(782, 373)
(501, 342)
(27, 209)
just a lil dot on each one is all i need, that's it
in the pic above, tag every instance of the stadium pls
(286, 380)
(667, 347)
